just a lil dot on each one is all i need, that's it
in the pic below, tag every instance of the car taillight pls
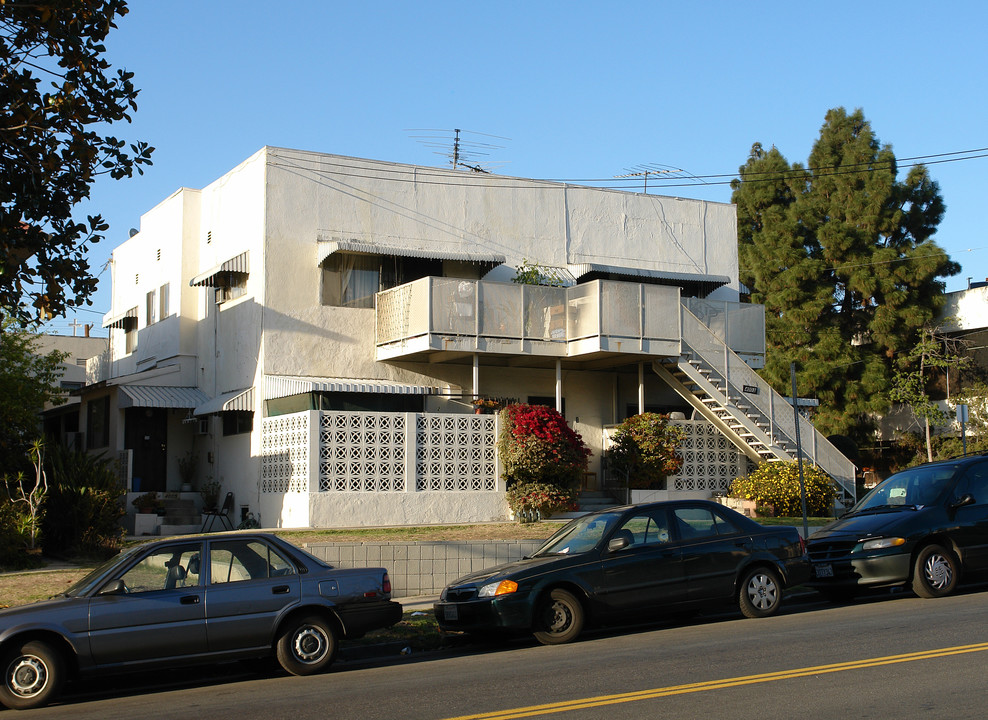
(386, 584)
(802, 545)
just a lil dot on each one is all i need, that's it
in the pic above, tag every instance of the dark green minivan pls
(923, 527)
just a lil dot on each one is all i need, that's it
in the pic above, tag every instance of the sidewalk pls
(420, 603)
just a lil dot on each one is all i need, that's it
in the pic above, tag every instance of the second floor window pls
(152, 307)
(163, 299)
(234, 287)
(352, 279)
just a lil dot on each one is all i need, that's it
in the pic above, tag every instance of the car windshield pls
(908, 489)
(580, 535)
(84, 586)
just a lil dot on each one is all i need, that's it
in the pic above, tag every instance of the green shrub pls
(536, 445)
(777, 484)
(84, 505)
(944, 447)
(14, 553)
(538, 501)
(644, 450)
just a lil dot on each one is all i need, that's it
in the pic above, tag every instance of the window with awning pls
(353, 271)
(232, 272)
(124, 321)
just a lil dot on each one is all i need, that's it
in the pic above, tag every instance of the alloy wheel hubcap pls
(762, 592)
(27, 676)
(310, 644)
(938, 572)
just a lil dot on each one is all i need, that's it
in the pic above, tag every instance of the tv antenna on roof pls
(462, 152)
(643, 171)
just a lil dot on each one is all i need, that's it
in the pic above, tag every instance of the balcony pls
(438, 319)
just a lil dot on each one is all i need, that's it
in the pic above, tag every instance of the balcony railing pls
(436, 313)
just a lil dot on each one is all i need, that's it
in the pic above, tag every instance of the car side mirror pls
(965, 499)
(113, 587)
(618, 543)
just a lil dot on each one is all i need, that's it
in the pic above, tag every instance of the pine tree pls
(841, 254)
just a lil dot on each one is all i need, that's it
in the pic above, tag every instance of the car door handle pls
(280, 590)
(189, 600)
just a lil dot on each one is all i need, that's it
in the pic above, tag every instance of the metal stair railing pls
(764, 403)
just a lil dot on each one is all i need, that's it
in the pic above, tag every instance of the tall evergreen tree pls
(841, 254)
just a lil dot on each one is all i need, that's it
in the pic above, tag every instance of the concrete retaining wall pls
(424, 568)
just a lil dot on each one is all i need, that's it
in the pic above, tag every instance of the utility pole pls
(799, 451)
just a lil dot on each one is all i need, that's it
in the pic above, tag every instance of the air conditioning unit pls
(202, 427)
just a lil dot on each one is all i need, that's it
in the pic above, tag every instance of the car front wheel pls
(32, 676)
(935, 573)
(559, 619)
(307, 646)
(760, 594)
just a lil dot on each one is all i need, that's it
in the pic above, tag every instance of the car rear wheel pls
(32, 676)
(935, 573)
(306, 646)
(559, 619)
(760, 594)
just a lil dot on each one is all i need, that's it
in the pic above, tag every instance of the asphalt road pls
(876, 658)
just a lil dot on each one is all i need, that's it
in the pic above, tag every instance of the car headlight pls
(882, 543)
(503, 587)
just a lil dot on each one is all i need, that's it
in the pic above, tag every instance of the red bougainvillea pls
(537, 445)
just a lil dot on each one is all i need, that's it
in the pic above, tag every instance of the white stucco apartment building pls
(313, 330)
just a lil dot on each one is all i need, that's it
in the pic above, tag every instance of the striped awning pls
(124, 320)
(279, 386)
(238, 400)
(155, 396)
(219, 276)
(328, 247)
(597, 271)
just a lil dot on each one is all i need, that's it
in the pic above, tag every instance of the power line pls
(415, 173)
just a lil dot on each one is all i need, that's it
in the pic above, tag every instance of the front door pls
(971, 520)
(648, 572)
(158, 614)
(146, 433)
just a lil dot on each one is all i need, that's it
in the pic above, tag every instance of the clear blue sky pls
(578, 90)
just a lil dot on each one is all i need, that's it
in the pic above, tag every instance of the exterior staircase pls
(725, 390)
(593, 500)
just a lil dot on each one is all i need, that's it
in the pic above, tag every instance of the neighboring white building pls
(61, 421)
(964, 317)
(313, 329)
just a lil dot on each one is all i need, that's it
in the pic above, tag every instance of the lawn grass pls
(417, 630)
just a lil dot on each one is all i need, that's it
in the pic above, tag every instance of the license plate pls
(451, 612)
(823, 571)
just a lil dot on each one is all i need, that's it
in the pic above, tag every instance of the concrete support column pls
(559, 386)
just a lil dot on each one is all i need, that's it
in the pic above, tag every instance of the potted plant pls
(149, 503)
(210, 492)
(486, 406)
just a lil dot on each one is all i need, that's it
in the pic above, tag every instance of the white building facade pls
(313, 330)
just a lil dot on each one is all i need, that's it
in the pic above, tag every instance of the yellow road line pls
(602, 700)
